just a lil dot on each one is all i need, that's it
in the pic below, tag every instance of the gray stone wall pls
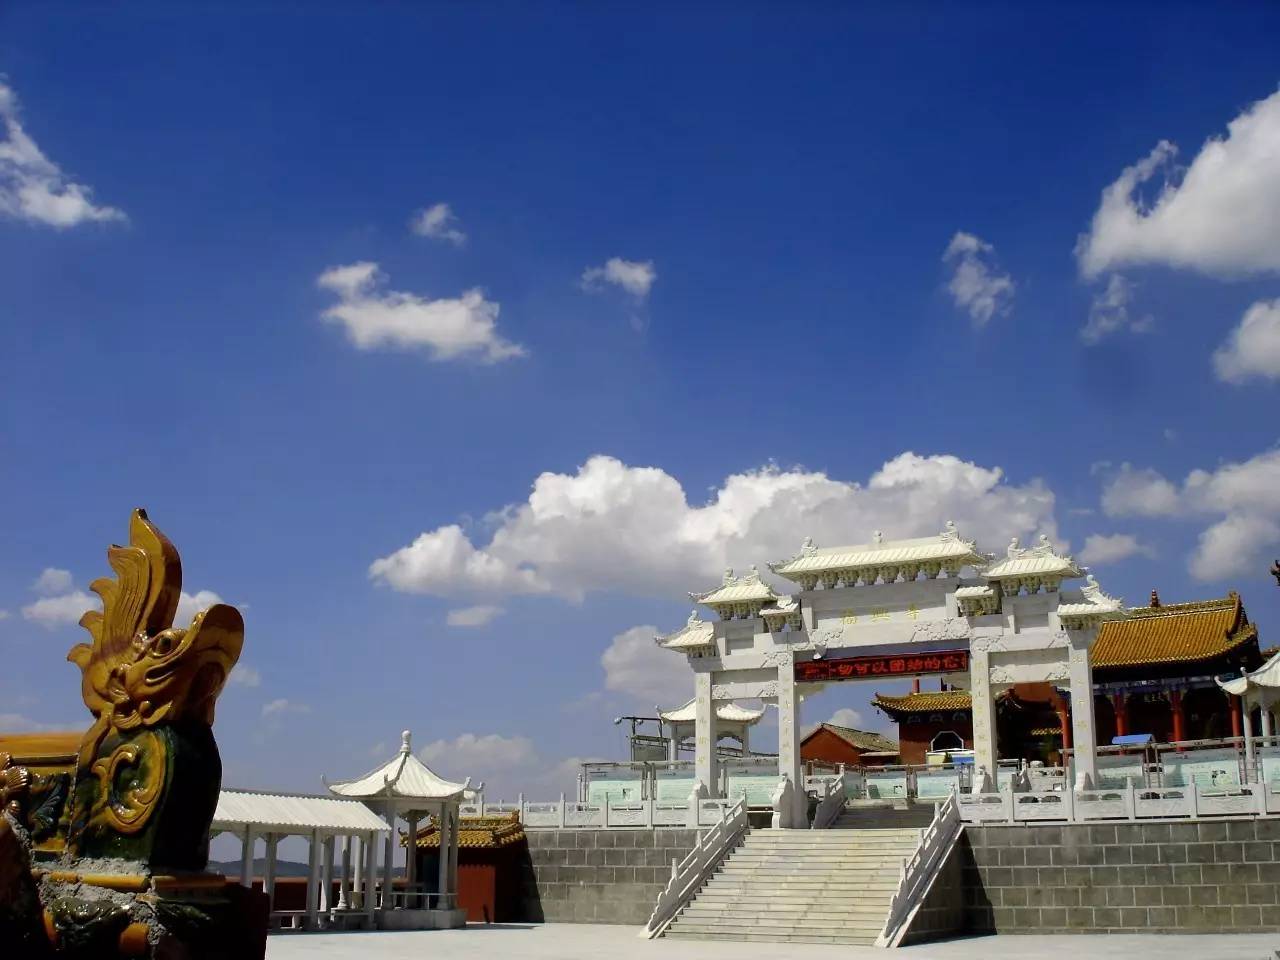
(1133, 877)
(943, 911)
(598, 876)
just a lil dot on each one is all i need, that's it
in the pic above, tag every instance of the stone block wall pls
(1131, 877)
(598, 876)
(943, 911)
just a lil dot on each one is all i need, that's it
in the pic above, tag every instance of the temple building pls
(1154, 673)
(831, 743)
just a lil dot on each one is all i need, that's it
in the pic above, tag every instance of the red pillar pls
(1121, 704)
(1179, 717)
(1064, 720)
(1237, 727)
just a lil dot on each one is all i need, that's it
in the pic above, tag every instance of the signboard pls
(861, 668)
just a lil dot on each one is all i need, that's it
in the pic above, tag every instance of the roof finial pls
(728, 575)
(405, 737)
(877, 537)
(1013, 548)
(1155, 598)
(949, 528)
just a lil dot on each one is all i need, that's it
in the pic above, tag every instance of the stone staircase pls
(808, 886)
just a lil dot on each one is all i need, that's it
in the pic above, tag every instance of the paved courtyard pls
(567, 941)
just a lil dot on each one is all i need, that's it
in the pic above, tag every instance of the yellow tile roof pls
(934, 702)
(1176, 633)
(478, 833)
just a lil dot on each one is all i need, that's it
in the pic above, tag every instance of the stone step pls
(799, 888)
(871, 909)
(799, 933)
(786, 864)
(772, 921)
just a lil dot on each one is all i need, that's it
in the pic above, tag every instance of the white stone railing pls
(1129, 802)
(918, 872)
(688, 876)
(832, 802)
(782, 803)
(616, 814)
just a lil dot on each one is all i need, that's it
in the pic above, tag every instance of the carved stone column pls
(985, 757)
(789, 743)
(1086, 737)
(704, 718)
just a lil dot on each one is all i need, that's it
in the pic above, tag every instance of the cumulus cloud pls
(478, 755)
(462, 327)
(636, 277)
(1222, 216)
(1109, 312)
(34, 188)
(60, 611)
(476, 616)
(636, 666)
(615, 527)
(438, 222)
(243, 675)
(281, 706)
(1111, 548)
(4, 614)
(847, 717)
(189, 604)
(976, 285)
(1242, 500)
(52, 581)
(1253, 349)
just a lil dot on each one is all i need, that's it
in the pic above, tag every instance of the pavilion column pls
(985, 756)
(1084, 734)
(442, 879)
(789, 765)
(454, 837)
(1120, 702)
(410, 861)
(1178, 716)
(705, 737)
(313, 880)
(269, 871)
(344, 881)
(673, 745)
(746, 740)
(369, 847)
(359, 846)
(388, 865)
(1265, 712)
(248, 841)
(326, 876)
(1248, 737)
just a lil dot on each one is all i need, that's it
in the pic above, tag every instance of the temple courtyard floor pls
(576, 941)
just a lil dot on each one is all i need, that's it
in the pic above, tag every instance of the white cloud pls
(847, 717)
(476, 616)
(33, 187)
(438, 222)
(1253, 349)
(4, 614)
(634, 276)
(1103, 548)
(635, 665)
(1221, 217)
(189, 604)
(52, 581)
(478, 755)
(281, 706)
(243, 675)
(1109, 312)
(60, 611)
(976, 286)
(614, 527)
(449, 328)
(1244, 497)
(1143, 493)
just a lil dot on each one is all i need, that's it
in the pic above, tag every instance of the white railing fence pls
(1130, 802)
(689, 874)
(615, 814)
(918, 872)
(782, 803)
(832, 802)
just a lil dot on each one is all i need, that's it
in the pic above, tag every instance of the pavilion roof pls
(1040, 560)
(477, 833)
(1173, 633)
(405, 777)
(727, 711)
(1267, 675)
(864, 740)
(696, 633)
(283, 812)
(880, 552)
(744, 589)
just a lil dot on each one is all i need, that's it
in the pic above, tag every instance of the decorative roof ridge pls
(287, 793)
(808, 548)
(1195, 606)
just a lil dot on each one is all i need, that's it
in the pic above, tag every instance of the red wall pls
(829, 748)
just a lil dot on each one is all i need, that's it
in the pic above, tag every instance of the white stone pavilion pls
(406, 788)
(732, 720)
(895, 608)
(1256, 688)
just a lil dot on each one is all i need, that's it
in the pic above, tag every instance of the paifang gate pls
(860, 668)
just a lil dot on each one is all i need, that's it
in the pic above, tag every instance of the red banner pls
(860, 668)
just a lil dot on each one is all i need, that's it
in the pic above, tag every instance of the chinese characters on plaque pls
(880, 615)
(858, 668)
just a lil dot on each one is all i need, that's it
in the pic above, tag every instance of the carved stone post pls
(1081, 679)
(705, 761)
(789, 744)
(985, 757)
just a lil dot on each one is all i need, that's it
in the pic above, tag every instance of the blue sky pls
(544, 315)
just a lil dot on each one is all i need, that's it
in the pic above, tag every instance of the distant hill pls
(284, 868)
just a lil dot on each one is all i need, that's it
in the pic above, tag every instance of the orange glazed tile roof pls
(1175, 633)
(935, 702)
(478, 833)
